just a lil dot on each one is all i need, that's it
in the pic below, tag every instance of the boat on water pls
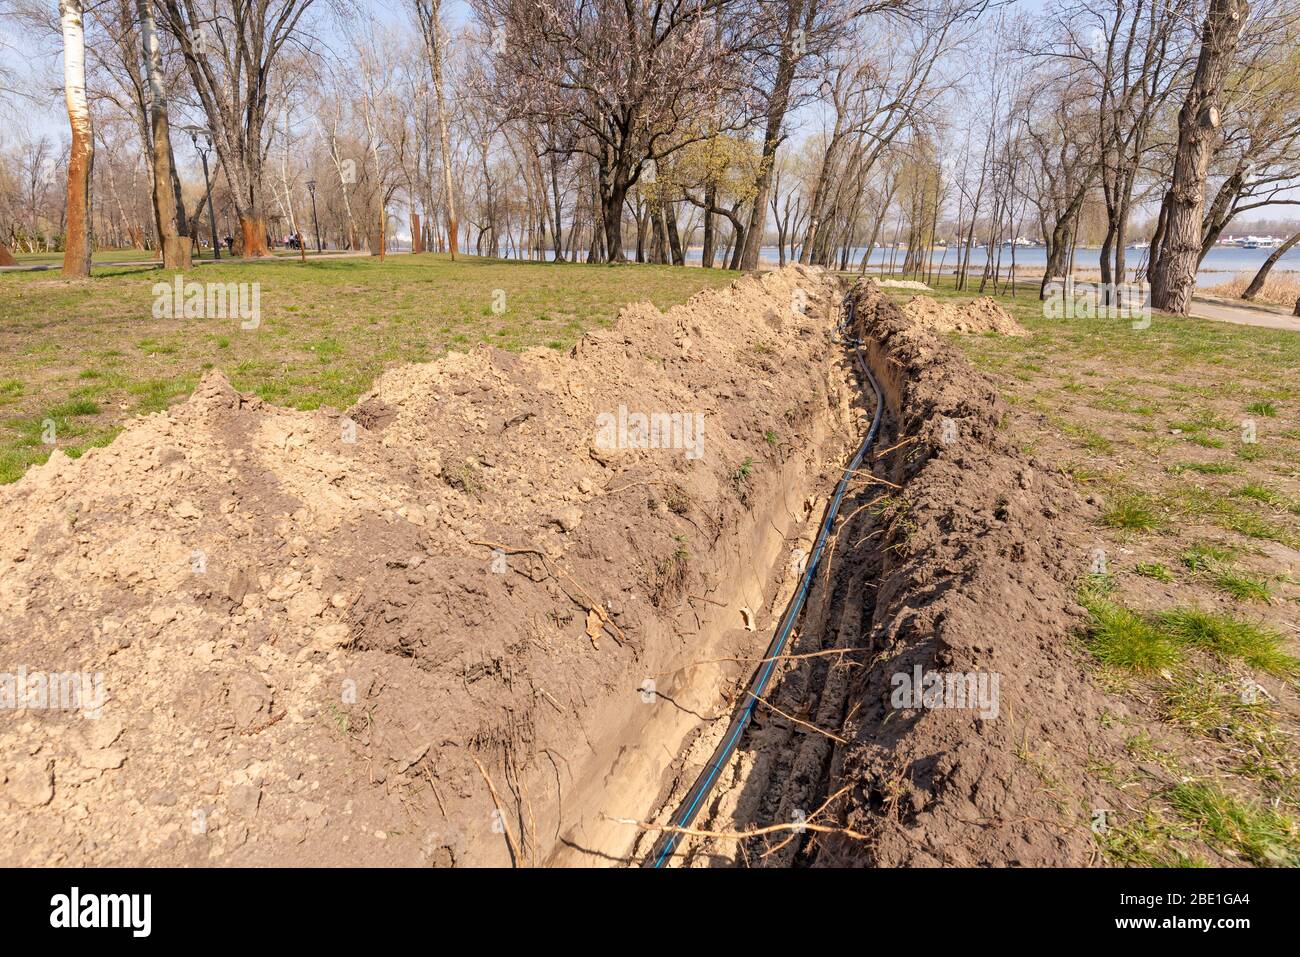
(1253, 242)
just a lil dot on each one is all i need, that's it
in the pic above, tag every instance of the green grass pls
(91, 354)
(1203, 555)
(1204, 468)
(1228, 637)
(1154, 570)
(1241, 586)
(1264, 408)
(1128, 640)
(1243, 521)
(1133, 512)
(1121, 638)
(1235, 714)
(1261, 835)
(1203, 708)
(1261, 493)
(1146, 841)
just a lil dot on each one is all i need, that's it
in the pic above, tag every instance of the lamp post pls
(311, 188)
(203, 152)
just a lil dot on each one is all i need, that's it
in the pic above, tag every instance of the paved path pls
(1242, 315)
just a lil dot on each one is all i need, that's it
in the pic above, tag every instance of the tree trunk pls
(1198, 130)
(778, 103)
(431, 21)
(76, 244)
(674, 238)
(417, 237)
(612, 199)
(169, 216)
(252, 234)
(452, 222)
(1261, 277)
(708, 251)
(1157, 239)
(658, 253)
(1058, 246)
(555, 200)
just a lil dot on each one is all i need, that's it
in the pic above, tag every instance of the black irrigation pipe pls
(663, 847)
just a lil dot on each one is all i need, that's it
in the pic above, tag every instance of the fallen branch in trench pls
(873, 479)
(893, 448)
(813, 816)
(811, 727)
(797, 827)
(835, 539)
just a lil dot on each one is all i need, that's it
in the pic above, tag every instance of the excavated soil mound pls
(420, 632)
(977, 560)
(976, 316)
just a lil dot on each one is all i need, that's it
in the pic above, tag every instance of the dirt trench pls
(459, 625)
(463, 624)
(955, 556)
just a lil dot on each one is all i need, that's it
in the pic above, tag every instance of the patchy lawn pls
(78, 358)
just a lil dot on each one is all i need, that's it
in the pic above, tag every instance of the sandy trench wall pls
(980, 555)
(320, 636)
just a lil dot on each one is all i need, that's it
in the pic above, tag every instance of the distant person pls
(230, 243)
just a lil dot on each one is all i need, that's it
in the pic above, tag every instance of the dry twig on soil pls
(515, 853)
(592, 604)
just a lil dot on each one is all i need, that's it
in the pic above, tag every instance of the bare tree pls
(230, 55)
(169, 213)
(77, 241)
(627, 81)
(428, 14)
(1174, 277)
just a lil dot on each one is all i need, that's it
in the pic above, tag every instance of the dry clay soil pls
(452, 627)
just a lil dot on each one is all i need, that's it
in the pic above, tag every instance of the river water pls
(1220, 264)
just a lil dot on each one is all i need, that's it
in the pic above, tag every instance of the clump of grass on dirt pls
(1201, 705)
(741, 478)
(1261, 835)
(1121, 638)
(1237, 714)
(1228, 637)
(1203, 555)
(1204, 468)
(1155, 570)
(1241, 586)
(1146, 841)
(1133, 512)
(1133, 641)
